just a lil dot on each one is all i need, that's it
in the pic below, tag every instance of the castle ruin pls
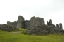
(35, 25)
(34, 21)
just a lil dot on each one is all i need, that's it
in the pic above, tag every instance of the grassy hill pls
(21, 37)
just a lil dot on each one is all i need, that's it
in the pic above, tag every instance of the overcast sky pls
(47, 9)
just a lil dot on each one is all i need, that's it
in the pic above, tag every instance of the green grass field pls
(10, 37)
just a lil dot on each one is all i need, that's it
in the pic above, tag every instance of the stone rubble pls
(7, 27)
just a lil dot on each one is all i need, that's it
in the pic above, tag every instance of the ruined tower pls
(36, 21)
(49, 23)
(60, 26)
(57, 25)
(8, 22)
(20, 22)
(32, 21)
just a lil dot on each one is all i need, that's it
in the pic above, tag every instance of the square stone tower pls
(36, 21)
(20, 22)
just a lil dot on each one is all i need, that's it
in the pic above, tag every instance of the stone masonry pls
(34, 21)
(37, 25)
(20, 22)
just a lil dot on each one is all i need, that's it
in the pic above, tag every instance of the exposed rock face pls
(43, 30)
(7, 27)
(37, 30)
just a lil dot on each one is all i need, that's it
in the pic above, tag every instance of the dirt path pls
(16, 32)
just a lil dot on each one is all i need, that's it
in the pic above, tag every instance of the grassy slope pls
(9, 37)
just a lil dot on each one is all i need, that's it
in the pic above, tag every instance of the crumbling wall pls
(27, 24)
(12, 23)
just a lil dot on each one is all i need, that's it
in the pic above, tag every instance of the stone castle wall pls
(34, 21)
(12, 23)
(27, 24)
(37, 25)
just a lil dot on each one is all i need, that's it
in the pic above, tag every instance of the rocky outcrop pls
(7, 27)
(43, 30)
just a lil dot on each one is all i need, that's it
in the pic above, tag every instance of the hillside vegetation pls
(22, 37)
